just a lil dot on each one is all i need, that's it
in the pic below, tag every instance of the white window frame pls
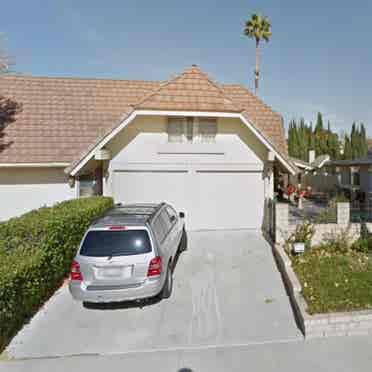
(207, 137)
(197, 136)
(178, 137)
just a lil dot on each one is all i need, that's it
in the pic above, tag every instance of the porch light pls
(271, 156)
(102, 154)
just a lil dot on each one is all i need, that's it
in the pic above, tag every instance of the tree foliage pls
(8, 107)
(302, 138)
(356, 145)
(258, 28)
(8, 112)
(36, 251)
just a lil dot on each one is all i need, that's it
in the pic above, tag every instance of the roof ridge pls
(216, 85)
(155, 91)
(17, 76)
(179, 76)
(30, 76)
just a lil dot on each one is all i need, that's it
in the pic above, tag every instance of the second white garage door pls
(210, 199)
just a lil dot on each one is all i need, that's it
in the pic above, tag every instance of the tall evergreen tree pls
(348, 154)
(364, 140)
(320, 137)
(302, 138)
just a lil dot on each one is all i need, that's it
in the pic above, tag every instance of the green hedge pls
(36, 251)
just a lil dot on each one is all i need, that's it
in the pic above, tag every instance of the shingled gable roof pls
(193, 90)
(63, 118)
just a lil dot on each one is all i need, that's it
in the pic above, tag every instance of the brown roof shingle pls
(63, 117)
(191, 91)
(267, 121)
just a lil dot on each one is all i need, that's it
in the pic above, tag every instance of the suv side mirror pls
(182, 215)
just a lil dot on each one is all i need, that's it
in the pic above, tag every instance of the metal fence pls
(320, 209)
(361, 211)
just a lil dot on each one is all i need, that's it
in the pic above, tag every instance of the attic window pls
(192, 130)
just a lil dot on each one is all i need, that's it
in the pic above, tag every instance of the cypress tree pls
(354, 142)
(302, 138)
(320, 137)
(364, 141)
(348, 154)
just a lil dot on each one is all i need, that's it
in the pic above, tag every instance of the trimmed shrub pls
(36, 251)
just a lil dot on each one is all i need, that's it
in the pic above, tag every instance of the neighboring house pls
(370, 147)
(312, 174)
(211, 150)
(353, 175)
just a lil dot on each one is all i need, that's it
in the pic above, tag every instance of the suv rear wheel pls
(168, 284)
(183, 242)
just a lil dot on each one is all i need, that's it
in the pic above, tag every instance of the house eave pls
(74, 168)
(35, 165)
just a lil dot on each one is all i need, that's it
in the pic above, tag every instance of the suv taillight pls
(75, 273)
(155, 267)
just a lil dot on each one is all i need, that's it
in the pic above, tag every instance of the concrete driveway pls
(227, 292)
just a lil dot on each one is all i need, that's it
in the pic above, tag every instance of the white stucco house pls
(211, 150)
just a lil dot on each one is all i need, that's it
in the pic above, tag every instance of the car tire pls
(88, 305)
(168, 284)
(183, 242)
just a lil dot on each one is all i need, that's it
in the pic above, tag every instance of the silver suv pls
(128, 254)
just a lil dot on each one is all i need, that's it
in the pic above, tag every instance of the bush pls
(36, 251)
(303, 234)
(337, 242)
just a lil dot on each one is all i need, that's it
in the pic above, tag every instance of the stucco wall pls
(24, 189)
(146, 140)
(201, 188)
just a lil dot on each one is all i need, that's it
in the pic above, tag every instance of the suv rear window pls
(103, 243)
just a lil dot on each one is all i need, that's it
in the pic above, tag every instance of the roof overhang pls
(34, 165)
(76, 167)
(302, 165)
(323, 163)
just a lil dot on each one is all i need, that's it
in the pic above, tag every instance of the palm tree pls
(258, 28)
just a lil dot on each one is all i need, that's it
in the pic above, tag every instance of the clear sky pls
(319, 59)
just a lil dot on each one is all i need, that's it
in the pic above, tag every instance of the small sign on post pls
(299, 248)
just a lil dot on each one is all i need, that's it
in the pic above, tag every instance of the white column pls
(107, 181)
(269, 180)
(282, 222)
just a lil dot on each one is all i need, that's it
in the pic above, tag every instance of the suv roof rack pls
(122, 213)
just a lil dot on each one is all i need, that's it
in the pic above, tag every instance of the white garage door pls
(210, 199)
